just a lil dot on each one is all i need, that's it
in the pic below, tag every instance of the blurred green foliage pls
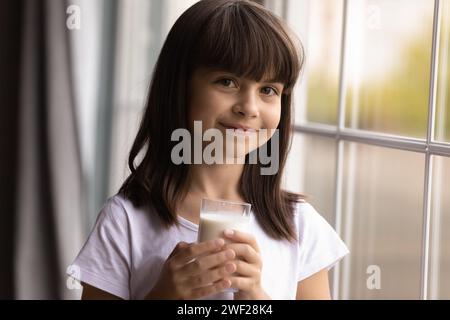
(396, 104)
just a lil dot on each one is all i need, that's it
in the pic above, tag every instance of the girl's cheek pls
(272, 118)
(209, 103)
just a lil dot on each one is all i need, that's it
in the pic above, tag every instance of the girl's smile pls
(239, 129)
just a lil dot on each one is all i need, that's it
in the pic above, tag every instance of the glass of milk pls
(218, 215)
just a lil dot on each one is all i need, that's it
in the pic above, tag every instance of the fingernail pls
(228, 232)
(229, 267)
(220, 242)
(229, 254)
(226, 284)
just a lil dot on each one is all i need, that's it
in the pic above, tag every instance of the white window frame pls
(342, 134)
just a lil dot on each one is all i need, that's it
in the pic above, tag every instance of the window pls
(372, 140)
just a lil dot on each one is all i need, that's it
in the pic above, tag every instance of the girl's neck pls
(212, 182)
(220, 181)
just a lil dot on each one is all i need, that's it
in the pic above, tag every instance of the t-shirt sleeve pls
(104, 260)
(320, 245)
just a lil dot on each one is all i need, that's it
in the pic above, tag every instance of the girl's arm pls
(315, 287)
(93, 293)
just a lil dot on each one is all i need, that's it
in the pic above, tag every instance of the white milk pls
(212, 225)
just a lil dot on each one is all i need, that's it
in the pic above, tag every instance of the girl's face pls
(221, 100)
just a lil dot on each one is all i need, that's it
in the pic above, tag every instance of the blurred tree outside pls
(400, 109)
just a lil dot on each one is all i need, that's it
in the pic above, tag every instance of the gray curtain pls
(10, 31)
(42, 208)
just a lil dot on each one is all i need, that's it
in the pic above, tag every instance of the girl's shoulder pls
(308, 218)
(321, 247)
(119, 201)
(116, 206)
(303, 208)
(121, 209)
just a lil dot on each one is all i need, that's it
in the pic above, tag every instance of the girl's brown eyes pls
(274, 92)
(269, 91)
(226, 82)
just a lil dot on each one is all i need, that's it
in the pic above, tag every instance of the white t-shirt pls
(127, 248)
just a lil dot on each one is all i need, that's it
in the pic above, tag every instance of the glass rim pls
(227, 201)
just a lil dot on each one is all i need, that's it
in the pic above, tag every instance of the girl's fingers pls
(211, 289)
(242, 237)
(241, 283)
(211, 276)
(204, 263)
(180, 245)
(186, 254)
(246, 269)
(245, 251)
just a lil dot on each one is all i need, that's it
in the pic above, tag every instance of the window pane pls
(322, 43)
(382, 222)
(443, 86)
(310, 170)
(439, 268)
(388, 65)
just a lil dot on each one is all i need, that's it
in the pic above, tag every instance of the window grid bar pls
(426, 230)
(433, 73)
(340, 147)
(428, 162)
(378, 139)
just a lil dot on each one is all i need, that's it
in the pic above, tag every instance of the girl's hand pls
(195, 270)
(248, 267)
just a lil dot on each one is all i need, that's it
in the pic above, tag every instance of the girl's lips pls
(243, 132)
(238, 129)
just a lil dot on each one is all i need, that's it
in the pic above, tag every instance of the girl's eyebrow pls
(219, 71)
(273, 81)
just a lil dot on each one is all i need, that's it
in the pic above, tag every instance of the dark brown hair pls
(241, 37)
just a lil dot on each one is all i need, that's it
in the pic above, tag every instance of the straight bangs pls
(244, 39)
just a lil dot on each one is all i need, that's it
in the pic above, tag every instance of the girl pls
(228, 64)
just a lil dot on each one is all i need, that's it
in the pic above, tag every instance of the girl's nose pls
(247, 105)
